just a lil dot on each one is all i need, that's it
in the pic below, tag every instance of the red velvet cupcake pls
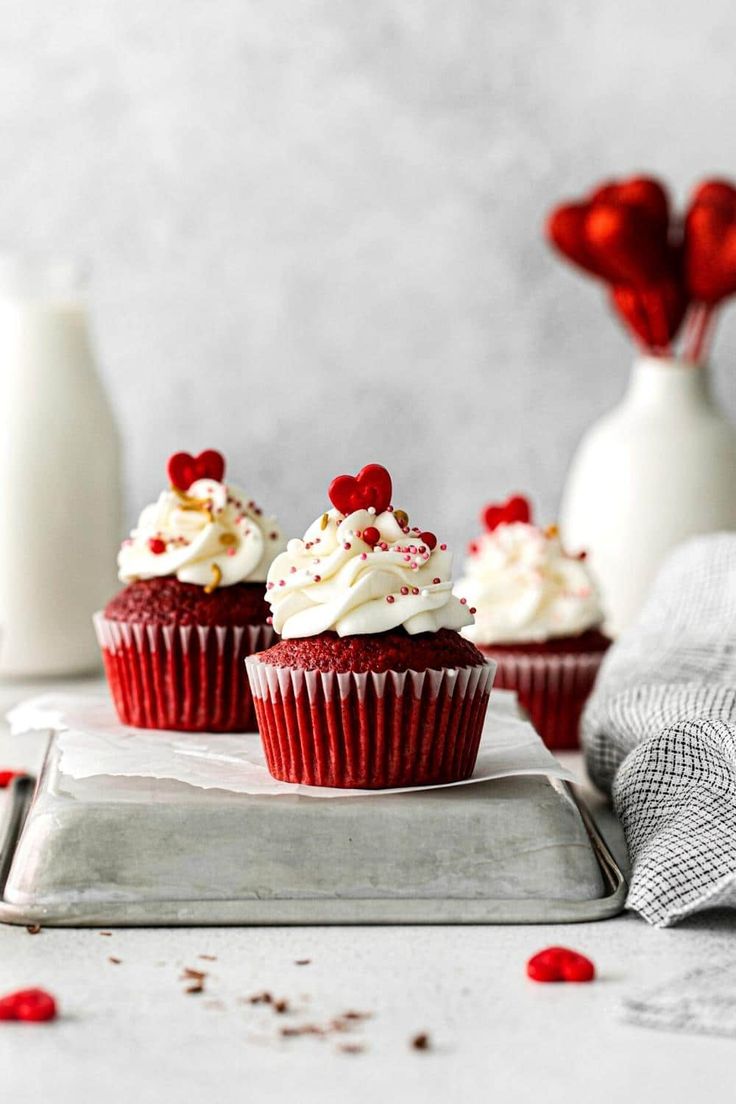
(175, 639)
(538, 615)
(371, 685)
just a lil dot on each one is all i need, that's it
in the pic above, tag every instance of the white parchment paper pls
(93, 742)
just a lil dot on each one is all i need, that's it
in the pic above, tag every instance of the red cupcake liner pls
(552, 688)
(373, 730)
(181, 677)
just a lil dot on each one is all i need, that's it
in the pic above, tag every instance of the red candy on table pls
(370, 487)
(183, 469)
(28, 1005)
(560, 964)
(7, 776)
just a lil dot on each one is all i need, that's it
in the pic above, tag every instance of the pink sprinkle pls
(231, 552)
(437, 580)
(404, 590)
(390, 598)
(473, 609)
(405, 529)
(463, 601)
(408, 559)
(292, 569)
(269, 620)
(412, 548)
(318, 578)
(415, 590)
(443, 548)
(422, 548)
(347, 546)
(364, 555)
(282, 582)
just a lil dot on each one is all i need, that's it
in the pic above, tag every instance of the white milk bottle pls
(60, 494)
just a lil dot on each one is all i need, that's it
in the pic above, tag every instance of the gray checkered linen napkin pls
(659, 734)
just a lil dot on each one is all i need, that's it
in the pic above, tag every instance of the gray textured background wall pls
(314, 225)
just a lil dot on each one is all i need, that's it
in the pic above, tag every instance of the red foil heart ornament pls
(643, 192)
(710, 242)
(514, 509)
(183, 469)
(370, 487)
(29, 1005)
(566, 230)
(626, 243)
(653, 313)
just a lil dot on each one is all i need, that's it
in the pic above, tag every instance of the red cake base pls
(370, 730)
(552, 684)
(186, 678)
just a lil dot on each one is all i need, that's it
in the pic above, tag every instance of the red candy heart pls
(515, 508)
(184, 469)
(370, 487)
(31, 1005)
(710, 242)
(560, 964)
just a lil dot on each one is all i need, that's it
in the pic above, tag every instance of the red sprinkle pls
(560, 964)
(473, 609)
(371, 535)
(390, 598)
(31, 1005)
(443, 547)
(437, 580)
(157, 546)
(430, 540)
(317, 578)
(404, 590)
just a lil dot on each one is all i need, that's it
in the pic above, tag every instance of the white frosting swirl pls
(212, 535)
(526, 588)
(334, 581)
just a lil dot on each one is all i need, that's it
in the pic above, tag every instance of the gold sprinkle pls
(228, 539)
(216, 580)
(551, 531)
(188, 502)
(402, 518)
(323, 522)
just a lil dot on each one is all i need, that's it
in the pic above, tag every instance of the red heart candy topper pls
(183, 469)
(370, 487)
(515, 509)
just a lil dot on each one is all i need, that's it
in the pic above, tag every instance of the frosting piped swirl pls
(212, 534)
(526, 588)
(366, 572)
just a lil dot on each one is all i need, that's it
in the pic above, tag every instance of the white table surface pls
(129, 1033)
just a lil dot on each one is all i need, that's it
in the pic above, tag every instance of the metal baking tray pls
(143, 852)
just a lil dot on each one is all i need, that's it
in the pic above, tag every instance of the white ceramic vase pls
(659, 468)
(60, 495)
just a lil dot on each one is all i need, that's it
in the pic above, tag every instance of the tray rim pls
(304, 912)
